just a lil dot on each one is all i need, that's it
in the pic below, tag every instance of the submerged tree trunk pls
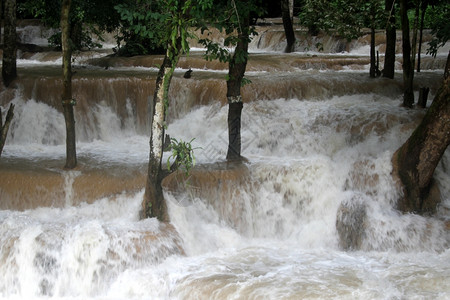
(288, 28)
(9, 67)
(408, 67)
(153, 204)
(391, 39)
(414, 162)
(236, 71)
(67, 100)
(5, 127)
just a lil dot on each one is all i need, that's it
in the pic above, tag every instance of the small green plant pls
(183, 153)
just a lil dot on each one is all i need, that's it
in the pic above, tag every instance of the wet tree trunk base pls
(234, 130)
(415, 161)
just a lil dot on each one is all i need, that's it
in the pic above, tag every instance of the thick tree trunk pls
(391, 39)
(288, 28)
(236, 72)
(5, 127)
(153, 204)
(67, 100)
(414, 163)
(9, 68)
(408, 67)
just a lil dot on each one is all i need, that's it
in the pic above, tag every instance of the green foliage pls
(149, 26)
(226, 17)
(341, 17)
(183, 153)
(87, 18)
(439, 17)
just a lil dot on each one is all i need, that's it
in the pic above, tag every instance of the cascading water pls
(314, 140)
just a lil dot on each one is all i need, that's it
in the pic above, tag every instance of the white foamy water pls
(272, 237)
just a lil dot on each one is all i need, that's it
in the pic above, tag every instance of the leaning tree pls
(415, 161)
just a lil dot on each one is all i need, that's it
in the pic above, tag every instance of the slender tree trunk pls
(414, 162)
(1, 18)
(373, 68)
(422, 20)
(288, 28)
(153, 204)
(236, 72)
(447, 66)
(391, 39)
(408, 67)
(9, 68)
(5, 127)
(414, 38)
(67, 100)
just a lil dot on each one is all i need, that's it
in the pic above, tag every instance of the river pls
(317, 132)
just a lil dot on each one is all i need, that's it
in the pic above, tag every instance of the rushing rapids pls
(318, 135)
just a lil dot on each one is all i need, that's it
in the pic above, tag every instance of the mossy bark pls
(153, 204)
(415, 161)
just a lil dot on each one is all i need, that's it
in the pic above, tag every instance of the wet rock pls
(351, 224)
(187, 74)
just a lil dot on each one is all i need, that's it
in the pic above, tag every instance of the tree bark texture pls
(391, 40)
(153, 204)
(9, 68)
(415, 161)
(5, 126)
(408, 67)
(236, 71)
(67, 100)
(288, 27)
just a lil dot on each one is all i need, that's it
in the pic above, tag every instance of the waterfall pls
(318, 136)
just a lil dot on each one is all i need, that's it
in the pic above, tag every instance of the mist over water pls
(314, 139)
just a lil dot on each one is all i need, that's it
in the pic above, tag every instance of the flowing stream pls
(317, 133)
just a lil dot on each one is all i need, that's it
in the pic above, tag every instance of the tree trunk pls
(414, 38)
(153, 204)
(288, 28)
(9, 68)
(5, 127)
(67, 101)
(1, 18)
(391, 40)
(373, 68)
(422, 20)
(414, 162)
(236, 71)
(447, 66)
(408, 67)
